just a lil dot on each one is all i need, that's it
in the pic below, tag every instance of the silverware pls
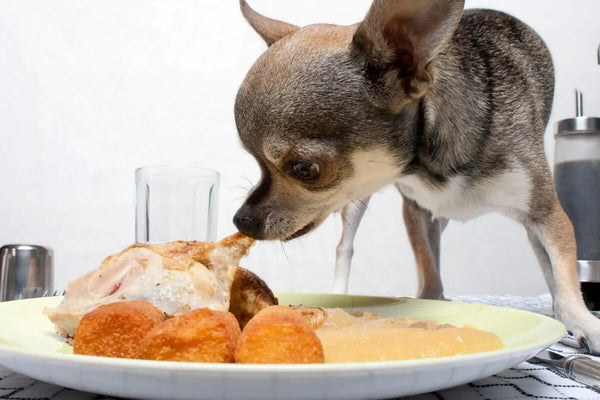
(26, 271)
(577, 367)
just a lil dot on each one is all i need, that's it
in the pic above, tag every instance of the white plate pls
(28, 345)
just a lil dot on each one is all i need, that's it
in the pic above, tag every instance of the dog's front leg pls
(424, 234)
(553, 241)
(351, 216)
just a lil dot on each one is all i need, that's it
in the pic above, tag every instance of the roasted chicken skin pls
(249, 295)
(175, 277)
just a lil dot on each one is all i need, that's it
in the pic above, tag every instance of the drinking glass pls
(175, 203)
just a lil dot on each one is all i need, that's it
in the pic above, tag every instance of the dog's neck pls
(448, 131)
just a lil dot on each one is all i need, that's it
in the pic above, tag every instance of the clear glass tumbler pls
(175, 203)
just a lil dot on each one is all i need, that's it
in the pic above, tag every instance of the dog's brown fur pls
(449, 106)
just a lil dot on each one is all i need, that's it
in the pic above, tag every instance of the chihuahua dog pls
(448, 105)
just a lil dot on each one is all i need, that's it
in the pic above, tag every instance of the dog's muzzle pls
(301, 231)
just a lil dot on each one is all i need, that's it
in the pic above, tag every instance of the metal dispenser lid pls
(580, 124)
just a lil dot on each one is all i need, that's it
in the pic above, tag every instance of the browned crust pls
(116, 329)
(238, 240)
(202, 335)
(249, 295)
(314, 315)
(279, 335)
(181, 254)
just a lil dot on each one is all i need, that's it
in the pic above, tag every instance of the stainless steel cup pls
(26, 271)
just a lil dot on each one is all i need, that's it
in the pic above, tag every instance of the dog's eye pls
(306, 171)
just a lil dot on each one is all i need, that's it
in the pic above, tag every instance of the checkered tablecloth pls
(527, 380)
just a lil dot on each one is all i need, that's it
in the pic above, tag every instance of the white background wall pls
(90, 90)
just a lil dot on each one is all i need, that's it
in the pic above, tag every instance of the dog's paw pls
(586, 331)
(591, 343)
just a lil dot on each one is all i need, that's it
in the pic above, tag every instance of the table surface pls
(527, 380)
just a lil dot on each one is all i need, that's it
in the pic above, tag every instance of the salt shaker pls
(577, 181)
(26, 271)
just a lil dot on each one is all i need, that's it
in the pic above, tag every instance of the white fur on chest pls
(373, 169)
(507, 192)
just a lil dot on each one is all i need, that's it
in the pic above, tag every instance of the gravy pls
(366, 337)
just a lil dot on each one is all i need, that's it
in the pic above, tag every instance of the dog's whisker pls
(299, 240)
(344, 219)
(356, 202)
(249, 181)
(244, 188)
(362, 204)
(284, 253)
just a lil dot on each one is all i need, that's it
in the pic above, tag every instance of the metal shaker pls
(577, 181)
(26, 271)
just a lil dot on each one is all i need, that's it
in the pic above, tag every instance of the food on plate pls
(314, 315)
(276, 335)
(279, 335)
(117, 310)
(366, 337)
(116, 329)
(175, 277)
(249, 295)
(201, 335)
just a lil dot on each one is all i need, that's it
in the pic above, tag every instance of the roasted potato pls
(202, 335)
(279, 335)
(116, 329)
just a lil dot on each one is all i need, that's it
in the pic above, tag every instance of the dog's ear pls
(269, 29)
(397, 42)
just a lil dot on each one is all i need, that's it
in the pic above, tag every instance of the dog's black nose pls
(246, 224)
